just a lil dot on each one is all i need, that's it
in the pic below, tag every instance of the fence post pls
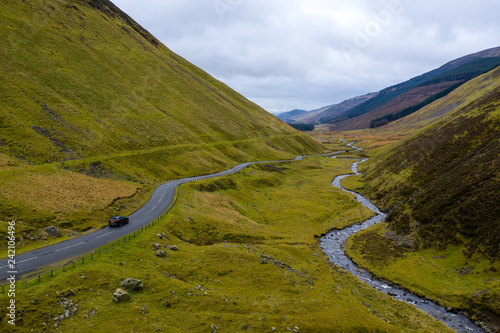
(25, 283)
(51, 273)
(39, 278)
(83, 260)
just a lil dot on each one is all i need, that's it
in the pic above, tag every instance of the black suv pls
(117, 221)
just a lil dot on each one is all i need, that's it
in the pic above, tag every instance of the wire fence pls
(32, 280)
(86, 258)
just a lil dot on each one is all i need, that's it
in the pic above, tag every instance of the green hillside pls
(441, 184)
(88, 96)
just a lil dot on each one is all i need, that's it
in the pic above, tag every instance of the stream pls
(332, 245)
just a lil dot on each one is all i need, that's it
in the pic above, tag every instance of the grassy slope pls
(249, 262)
(441, 187)
(446, 174)
(85, 89)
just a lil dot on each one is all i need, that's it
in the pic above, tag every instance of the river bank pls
(333, 242)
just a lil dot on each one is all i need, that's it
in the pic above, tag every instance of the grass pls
(248, 260)
(87, 91)
(446, 276)
(446, 271)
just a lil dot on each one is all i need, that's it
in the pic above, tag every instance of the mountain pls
(289, 115)
(440, 187)
(95, 112)
(403, 99)
(441, 184)
(324, 113)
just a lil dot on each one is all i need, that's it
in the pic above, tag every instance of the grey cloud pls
(310, 53)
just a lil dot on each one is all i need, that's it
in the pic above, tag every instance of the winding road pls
(161, 199)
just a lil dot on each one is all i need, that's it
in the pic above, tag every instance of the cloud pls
(310, 53)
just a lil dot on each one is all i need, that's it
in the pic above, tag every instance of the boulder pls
(53, 231)
(161, 253)
(132, 284)
(155, 246)
(120, 296)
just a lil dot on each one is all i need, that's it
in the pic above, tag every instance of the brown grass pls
(66, 192)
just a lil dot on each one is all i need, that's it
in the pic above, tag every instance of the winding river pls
(332, 245)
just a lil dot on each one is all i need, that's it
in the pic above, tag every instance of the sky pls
(306, 54)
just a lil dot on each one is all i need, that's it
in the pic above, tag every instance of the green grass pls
(446, 276)
(248, 260)
(86, 90)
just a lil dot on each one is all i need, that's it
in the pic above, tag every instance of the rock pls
(465, 270)
(143, 310)
(155, 246)
(407, 242)
(120, 296)
(171, 247)
(132, 284)
(53, 231)
(393, 294)
(161, 253)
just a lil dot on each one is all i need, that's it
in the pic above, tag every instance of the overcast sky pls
(289, 54)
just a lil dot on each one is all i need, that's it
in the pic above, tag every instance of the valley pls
(234, 225)
(247, 257)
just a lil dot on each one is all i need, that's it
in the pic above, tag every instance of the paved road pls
(160, 200)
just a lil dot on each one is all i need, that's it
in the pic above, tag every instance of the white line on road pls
(26, 260)
(103, 235)
(68, 247)
(19, 262)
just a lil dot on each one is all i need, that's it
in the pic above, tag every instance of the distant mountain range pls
(324, 113)
(400, 100)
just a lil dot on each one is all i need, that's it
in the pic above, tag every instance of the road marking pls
(19, 262)
(103, 235)
(27, 260)
(68, 247)
(159, 201)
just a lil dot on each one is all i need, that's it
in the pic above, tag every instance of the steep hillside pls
(88, 96)
(441, 185)
(409, 96)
